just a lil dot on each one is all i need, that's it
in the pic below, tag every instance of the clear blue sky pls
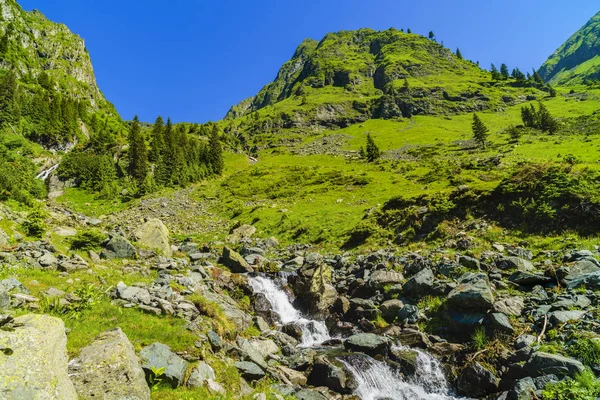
(193, 59)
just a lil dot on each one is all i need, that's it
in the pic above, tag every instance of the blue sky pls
(193, 59)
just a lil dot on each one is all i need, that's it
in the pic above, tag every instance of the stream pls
(376, 380)
(45, 174)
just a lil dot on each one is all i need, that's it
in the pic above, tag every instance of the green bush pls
(587, 350)
(584, 387)
(88, 240)
(34, 225)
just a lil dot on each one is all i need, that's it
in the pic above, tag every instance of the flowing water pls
(376, 380)
(46, 173)
(313, 332)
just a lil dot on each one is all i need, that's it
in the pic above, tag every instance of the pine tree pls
(551, 91)
(495, 74)
(164, 166)
(537, 78)
(504, 71)
(459, 54)
(431, 35)
(480, 131)
(215, 152)
(528, 115)
(408, 30)
(157, 143)
(545, 121)
(8, 91)
(138, 154)
(372, 151)
(406, 86)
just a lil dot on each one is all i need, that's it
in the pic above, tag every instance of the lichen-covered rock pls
(37, 367)
(108, 369)
(158, 355)
(154, 235)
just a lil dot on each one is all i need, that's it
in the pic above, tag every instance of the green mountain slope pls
(576, 61)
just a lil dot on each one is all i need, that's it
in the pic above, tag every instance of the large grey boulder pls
(108, 369)
(235, 262)
(421, 284)
(584, 273)
(381, 278)
(118, 247)
(249, 370)
(241, 233)
(515, 263)
(200, 374)
(477, 381)
(158, 355)
(472, 293)
(540, 364)
(368, 343)
(37, 367)
(154, 235)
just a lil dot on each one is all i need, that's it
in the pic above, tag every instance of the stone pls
(4, 298)
(500, 323)
(154, 235)
(215, 340)
(390, 308)
(266, 347)
(368, 343)
(293, 376)
(292, 329)
(158, 355)
(515, 263)
(241, 233)
(421, 284)
(37, 367)
(235, 262)
(510, 306)
(133, 294)
(108, 369)
(477, 381)
(562, 317)
(118, 247)
(331, 374)
(409, 314)
(65, 232)
(381, 278)
(469, 262)
(214, 388)
(583, 273)
(528, 278)
(540, 364)
(250, 370)
(4, 239)
(200, 374)
(251, 353)
(307, 394)
(524, 389)
(589, 281)
(48, 260)
(472, 293)
(413, 338)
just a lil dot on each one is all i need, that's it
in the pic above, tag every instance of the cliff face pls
(31, 44)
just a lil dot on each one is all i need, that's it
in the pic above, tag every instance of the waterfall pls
(313, 332)
(46, 173)
(377, 381)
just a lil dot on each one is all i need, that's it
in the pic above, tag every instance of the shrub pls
(479, 339)
(87, 240)
(34, 225)
(584, 387)
(587, 350)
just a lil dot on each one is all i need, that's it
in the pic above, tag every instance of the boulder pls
(540, 364)
(390, 309)
(37, 367)
(469, 262)
(528, 278)
(108, 369)
(200, 374)
(48, 260)
(250, 370)
(158, 355)
(584, 273)
(133, 294)
(368, 343)
(499, 323)
(381, 278)
(154, 235)
(510, 306)
(472, 293)
(477, 381)
(250, 353)
(4, 298)
(524, 389)
(421, 284)
(4, 238)
(118, 247)
(293, 376)
(307, 394)
(235, 262)
(332, 374)
(241, 233)
(562, 317)
(515, 263)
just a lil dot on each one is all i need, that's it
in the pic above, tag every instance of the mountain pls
(577, 61)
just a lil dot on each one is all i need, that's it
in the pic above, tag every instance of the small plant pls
(380, 322)
(479, 339)
(587, 350)
(431, 303)
(155, 378)
(87, 240)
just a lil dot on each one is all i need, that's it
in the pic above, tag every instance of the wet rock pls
(159, 355)
(154, 235)
(108, 368)
(368, 343)
(293, 330)
(325, 372)
(37, 366)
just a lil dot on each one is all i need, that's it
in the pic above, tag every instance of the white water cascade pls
(46, 173)
(377, 381)
(313, 332)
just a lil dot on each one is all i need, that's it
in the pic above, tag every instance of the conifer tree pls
(495, 74)
(546, 122)
(459, 54)
(431, 35)
(372, 152)
(138, 156)
(504, 71)
(406, 86)
(215, 152)
(537, 78)
(157, 143)
(528, 115)
(164, 166)
(480, 131)
(8, 90)
(408, 30)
